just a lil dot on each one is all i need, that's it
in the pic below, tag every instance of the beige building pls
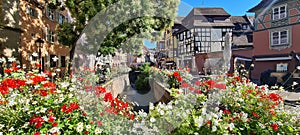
(26, 21)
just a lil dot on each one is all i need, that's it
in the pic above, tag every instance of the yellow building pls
(31, 20)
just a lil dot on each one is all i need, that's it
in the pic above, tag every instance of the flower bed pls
(30, 103)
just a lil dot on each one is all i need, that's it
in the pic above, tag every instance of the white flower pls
(216, 123)
(79, 127)
(2, 125)
(70, 95)
(88, 126)
(244, 116)
(143, 114)
(199, 121)
(35, 54)
(45, 118)
(231, 126)
(208, 117)
(294, 83)
(1, 133)
(152, 119)
(151, 106)
(34, 102)
(162, 112)
(11, 129)
(29, 81)
(43, 110)
(98, 131)
(54, 130)
(12, 59)
(65, 84)
(203, 110)
(214, 129)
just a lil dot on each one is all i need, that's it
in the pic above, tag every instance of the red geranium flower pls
(7, 71)
(43, 93)
(176, 74)
(54, 124)
(226, 112)
(274, 126)
(185, 85)
(179, 79)
(255, 114)
(37, 133)
(198, 82)
(51, 118)
(220, 86)
(108, 97)
(198, 91)
(274, 97)
(99, 123)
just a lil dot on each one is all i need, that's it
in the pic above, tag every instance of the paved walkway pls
(291, 96)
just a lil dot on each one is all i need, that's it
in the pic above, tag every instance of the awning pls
(274, 58)
(243, 59)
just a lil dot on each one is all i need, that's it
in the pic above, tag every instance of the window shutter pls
(59, 61)
(27, 9)
(38, 14)
(29, 56)
(48, 61)
(57, 16)
(46, 12)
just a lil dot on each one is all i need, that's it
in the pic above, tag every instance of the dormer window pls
(279, 12)
(244, 26)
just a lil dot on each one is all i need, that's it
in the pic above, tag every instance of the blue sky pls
(233, 7)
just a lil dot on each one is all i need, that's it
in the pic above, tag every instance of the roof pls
(178, 19)
(210, 11)
(242, 40)
(241, 19)
(265, 4)
(213, 24)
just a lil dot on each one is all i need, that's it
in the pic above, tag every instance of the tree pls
(106, 25)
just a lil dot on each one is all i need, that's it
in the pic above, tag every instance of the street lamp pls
(39, 43)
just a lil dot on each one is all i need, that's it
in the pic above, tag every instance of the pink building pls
(276, 36)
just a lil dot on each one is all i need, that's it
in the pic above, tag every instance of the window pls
(32, 35)
(50, 14)
(244, 26)
(63, 61)
(50, 36)
(30, 11)
(161, 45)
(181, 36)
(53, 60)
(279, 38)
(281, 67)
(61, 19)
(279, 12)
(210, 19)
(188, 34)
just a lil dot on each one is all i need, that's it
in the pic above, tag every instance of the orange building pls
(276, 36)
(37, 20)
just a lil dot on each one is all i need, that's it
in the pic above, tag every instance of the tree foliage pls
(106, 25)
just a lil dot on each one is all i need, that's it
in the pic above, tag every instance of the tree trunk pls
(72, 52)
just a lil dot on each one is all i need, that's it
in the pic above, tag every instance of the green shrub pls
(142, 83)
